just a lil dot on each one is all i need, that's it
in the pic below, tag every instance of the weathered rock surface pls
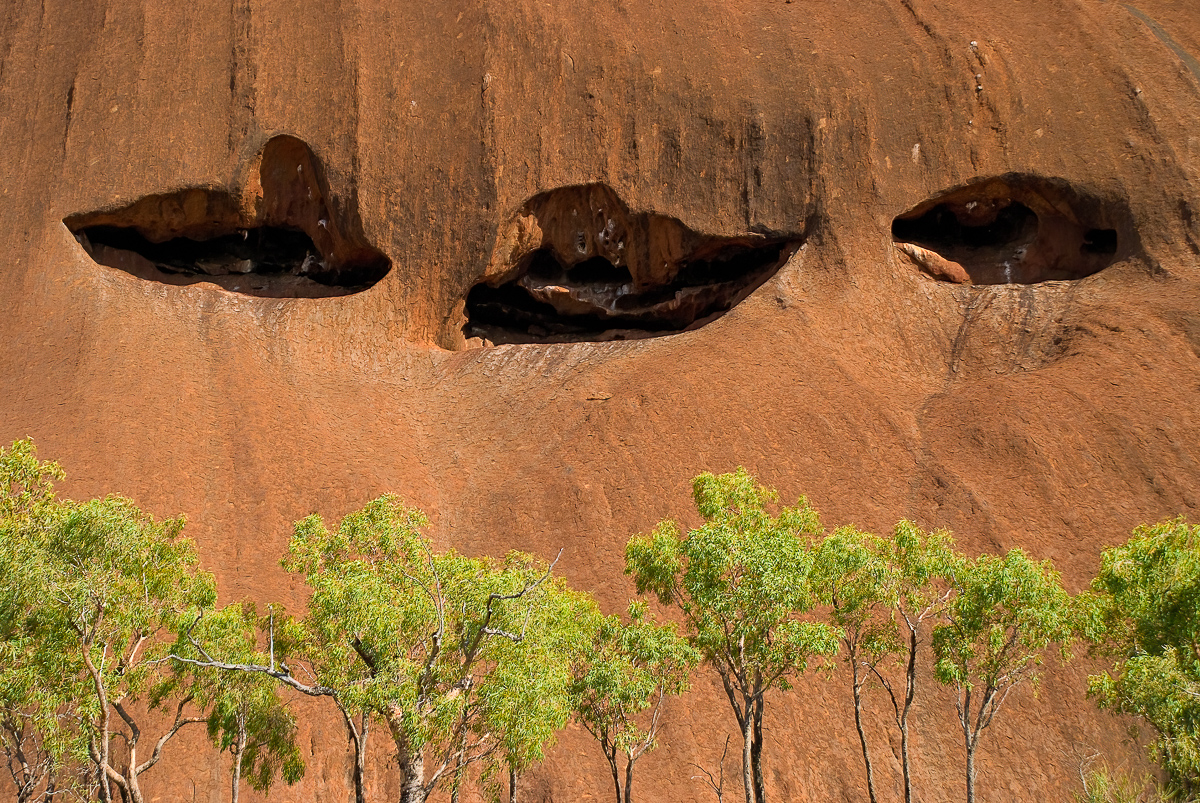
(1053, 408)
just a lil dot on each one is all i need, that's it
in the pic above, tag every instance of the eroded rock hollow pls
(1012, 229)
(277, 238)
(575, 264)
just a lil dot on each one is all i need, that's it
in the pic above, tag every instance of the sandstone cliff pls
(533, 265)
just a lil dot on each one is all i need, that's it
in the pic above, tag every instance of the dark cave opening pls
(267, 261)
(549, 301)
(940, 228)
(1014, 229)
(1100, 241)
(276, 237)
(599, 271)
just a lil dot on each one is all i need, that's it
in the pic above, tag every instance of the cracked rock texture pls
(882, 383)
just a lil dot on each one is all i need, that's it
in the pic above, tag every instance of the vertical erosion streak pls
(241, 72)
(1187, 58)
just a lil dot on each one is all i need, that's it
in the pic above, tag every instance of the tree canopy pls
(628, 669)
(742, 582)
(1148, 601)
(466, 660)
(111, 641)
(1007, 611)
(92, 597)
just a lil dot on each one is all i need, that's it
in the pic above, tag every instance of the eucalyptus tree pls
(882, 594)
(36, 725)
(244, 713)
(923, 575)
(857, 583)
(1148, 595)
(620, 684)
(119, 586)
(92, 595)
(1006, 612)
(742, 583)
(466, 661)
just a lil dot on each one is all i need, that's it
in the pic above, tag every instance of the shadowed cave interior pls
(277, 239)
(1010, 230)
(263, 260)
(597, 272)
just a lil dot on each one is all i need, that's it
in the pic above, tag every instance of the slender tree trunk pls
(969, 741)
(460, 774)
(239, 753)
(131, 778)
(102, 757)
(971, 771)
(628, 777)
(360, 759)
(358, 738)
(747, 760)
(858, 723)
(910, 690)
(610, 753)
(512, 785)
(756, 749)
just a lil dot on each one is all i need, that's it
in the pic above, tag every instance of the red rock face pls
(1049, 404)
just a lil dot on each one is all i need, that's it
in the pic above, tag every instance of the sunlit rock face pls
(912, 259)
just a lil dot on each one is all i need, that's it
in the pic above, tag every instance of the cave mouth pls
(595, 300)
(274, 237)
(576, 265)
(1011, 230)
(270, 261)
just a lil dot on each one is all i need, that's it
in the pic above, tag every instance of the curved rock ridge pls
(576, 264)
(277, 238)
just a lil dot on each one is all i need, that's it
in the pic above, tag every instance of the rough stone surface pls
(1053, 415)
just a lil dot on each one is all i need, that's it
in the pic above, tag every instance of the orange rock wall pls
(1052, 416)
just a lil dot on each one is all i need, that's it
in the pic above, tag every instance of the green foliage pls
(743, 582)
(882, 593)
(1148, 606)
(862, 589)
(117, 584)
(1006, 612)
(882, 589)
(37, 729)
(879, 587)
(1103, 785)
(25, 482)
(629, 668)
(91, 596)
(467, 660)
(245, 714)
(742, 579)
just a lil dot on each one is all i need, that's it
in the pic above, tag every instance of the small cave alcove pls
(1014, 229)
(576, 265)
(275, 239)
